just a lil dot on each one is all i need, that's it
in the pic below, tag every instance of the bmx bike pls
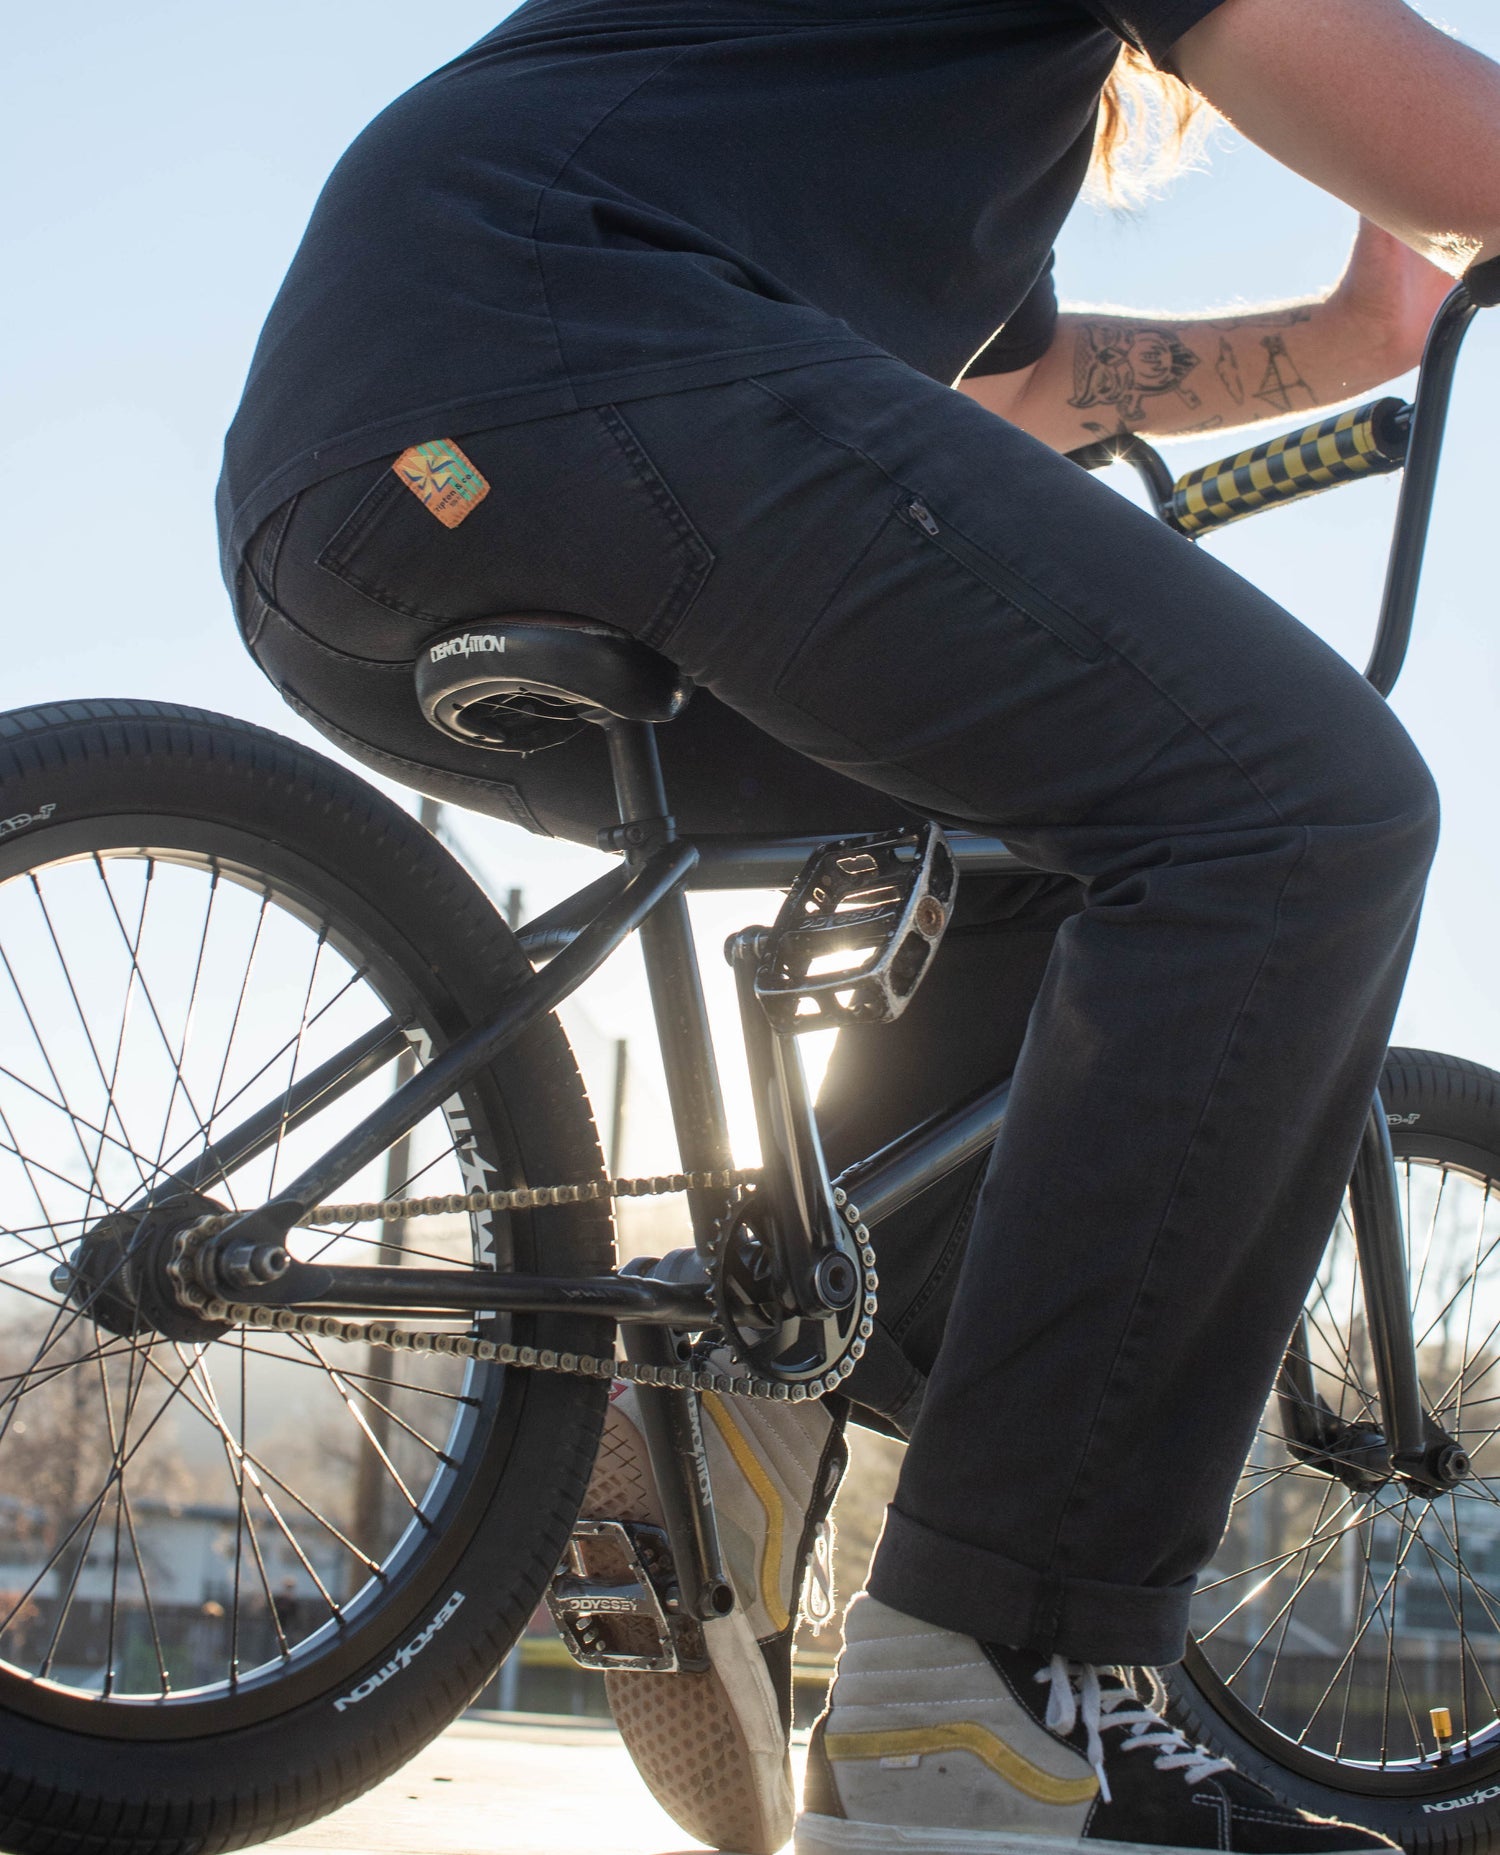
(284, 1474)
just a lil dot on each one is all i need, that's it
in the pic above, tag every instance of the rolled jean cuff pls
(978, 1593)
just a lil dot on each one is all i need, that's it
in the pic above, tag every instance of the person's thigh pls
(926, 599)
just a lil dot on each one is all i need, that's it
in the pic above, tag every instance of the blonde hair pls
(1151, 127)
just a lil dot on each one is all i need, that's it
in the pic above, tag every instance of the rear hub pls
(118, 1274)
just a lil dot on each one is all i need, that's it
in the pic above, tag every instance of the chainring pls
(761, 1322)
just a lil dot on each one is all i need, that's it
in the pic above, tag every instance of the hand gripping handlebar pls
(1373, 440)
(1370, 441)
(1482, 281)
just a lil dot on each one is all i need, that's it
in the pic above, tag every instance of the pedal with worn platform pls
(857, 931)
(614, 1600)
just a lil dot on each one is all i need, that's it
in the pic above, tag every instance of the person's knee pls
(1404, 795)
(1383, 810)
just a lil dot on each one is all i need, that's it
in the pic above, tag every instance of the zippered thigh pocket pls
(1005, 580)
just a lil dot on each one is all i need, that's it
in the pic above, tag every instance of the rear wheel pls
(243, 1576)
(1343, 1607)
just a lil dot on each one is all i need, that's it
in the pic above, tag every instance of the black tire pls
(124, 1725)
(1331, 1622)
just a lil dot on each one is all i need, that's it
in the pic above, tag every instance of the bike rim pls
(1334, 1619)
(190, 1524)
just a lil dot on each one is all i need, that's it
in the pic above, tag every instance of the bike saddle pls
(524, 681)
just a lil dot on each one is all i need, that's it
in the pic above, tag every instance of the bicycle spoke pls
(1359, 1636)
(83, 1518)
(188, 1514)
(1395, 1601)
(258, 1475)
(1304, 1578)
(47, 1063)
(312, 979)
(138, 977)
(343, 1380)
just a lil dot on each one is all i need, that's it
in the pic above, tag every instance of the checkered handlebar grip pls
(1368, 442)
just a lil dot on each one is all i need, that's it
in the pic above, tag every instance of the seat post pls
(673, 975)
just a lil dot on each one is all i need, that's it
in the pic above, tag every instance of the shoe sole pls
(833, 1835)
(711, 1747)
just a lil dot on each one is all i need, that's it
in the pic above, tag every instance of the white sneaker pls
(934, 1744)
(713, 1747)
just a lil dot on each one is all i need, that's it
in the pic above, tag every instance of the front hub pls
(118, 1273)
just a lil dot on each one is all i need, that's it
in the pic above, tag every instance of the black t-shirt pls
(609, 198)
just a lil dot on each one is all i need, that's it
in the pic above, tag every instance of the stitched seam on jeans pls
(1015, 588)
(778, 688)
(356, 525)
(253, 565)
(1121, 657)
(538, 249)
(812, 425)
(1207, 734)
(378, 501)
(272, 537)
(938, 1274)
(401, 669)
(1105, 1401)
(698, 556)
(401, 767)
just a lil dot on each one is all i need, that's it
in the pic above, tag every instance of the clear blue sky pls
(165, 158)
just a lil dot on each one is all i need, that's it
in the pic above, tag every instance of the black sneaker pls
(934, 1744)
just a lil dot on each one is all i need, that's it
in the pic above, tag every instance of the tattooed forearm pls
(1277, 381)
(1266, 318)
(1141, 373)
(1121, 366)
(1282, 386)
(1227, 367)
(1110, 374)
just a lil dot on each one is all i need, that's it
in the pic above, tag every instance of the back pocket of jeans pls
(394, 551)
(575, 520)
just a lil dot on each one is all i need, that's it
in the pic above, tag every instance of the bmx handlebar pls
(1373, 440)
(1370, 441)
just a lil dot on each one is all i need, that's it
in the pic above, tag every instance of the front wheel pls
(1347, 1617)
(244, 1575)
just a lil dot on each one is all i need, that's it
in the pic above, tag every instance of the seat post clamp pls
(640, 836)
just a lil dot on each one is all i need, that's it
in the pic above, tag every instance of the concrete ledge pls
(514, 1784)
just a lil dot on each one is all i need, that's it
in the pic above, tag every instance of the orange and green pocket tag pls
(442, 479)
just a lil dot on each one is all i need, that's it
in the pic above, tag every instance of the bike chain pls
(502, 1352)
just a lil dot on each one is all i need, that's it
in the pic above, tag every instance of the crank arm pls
(673, 1428)
(817, 1251)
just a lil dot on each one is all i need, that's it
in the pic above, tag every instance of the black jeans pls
(891, 582)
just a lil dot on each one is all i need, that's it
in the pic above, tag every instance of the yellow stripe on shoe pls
(750, 1467)
(963, 1736)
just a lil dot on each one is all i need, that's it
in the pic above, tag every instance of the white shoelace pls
(1075, 1693)
(817, 1586)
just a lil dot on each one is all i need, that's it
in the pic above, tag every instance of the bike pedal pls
(857, 931)
(612, 1600)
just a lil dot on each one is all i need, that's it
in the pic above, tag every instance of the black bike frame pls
(648, 893)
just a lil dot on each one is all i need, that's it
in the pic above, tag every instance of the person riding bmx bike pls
(731, 324)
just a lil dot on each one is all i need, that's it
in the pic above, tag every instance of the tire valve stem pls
(1442, 1731)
